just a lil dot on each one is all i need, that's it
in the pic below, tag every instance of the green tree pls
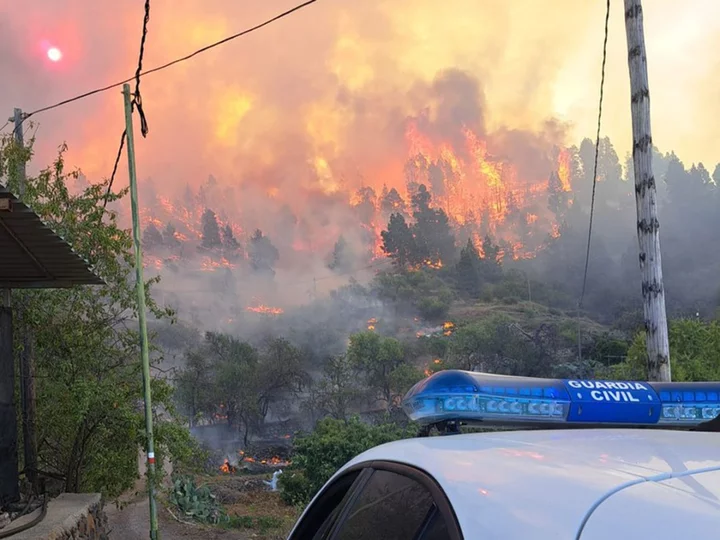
(398, 242)
(210, 230)
(194, 387)
(434, 239)
(234, 371)
(379, 358)
(468, 271)
(418, 292)
(499, 345)
(247, 381)
(338, 390)
(333, 443)
(490, 267)
(694, 353)
(88, 370)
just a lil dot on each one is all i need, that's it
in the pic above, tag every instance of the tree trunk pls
(648, 226)
(72, 481)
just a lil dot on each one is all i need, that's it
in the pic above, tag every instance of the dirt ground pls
(256, 513)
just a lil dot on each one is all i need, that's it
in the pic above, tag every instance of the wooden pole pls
(27, 359)
(658, 349)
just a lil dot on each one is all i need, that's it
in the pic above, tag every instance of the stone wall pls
(70, 516)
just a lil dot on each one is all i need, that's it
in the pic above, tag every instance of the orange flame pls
(266, 310)
(227, 468)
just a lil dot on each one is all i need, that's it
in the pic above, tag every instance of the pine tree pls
(210, 230)
(398, 242)
(152, 238)
(468, 270)
(421, 200)
(263, 254)
(366, 206)
(392, 202)
(341, 258)
(434, 239)
(228, 239)
(557, 196)
(491, 268)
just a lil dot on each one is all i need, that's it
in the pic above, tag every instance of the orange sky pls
(298, 88)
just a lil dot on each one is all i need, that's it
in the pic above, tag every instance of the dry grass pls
(251, 507)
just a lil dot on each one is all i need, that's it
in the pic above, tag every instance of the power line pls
(136, 101)
(173, 62)
(597, 150)
(117, 161)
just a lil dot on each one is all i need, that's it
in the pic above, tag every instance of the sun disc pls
(54, 54)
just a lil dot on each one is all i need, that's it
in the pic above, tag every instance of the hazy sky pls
(237, 106)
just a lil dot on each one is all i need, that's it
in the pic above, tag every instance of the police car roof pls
(620, 483)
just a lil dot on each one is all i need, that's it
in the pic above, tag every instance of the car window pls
(319, 518)
(326, 528)
(389, 507)
(437, 528)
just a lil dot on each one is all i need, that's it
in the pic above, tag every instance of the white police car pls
(590, 484)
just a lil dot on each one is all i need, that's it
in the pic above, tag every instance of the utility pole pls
(140, 285)
(27, 359)
(658, 348)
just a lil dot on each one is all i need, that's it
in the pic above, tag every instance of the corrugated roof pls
(32, 256)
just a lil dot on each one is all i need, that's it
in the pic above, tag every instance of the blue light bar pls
(482, 397)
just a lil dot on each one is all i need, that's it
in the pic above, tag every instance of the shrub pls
(321, 453)
(295, 489)
(195, 502)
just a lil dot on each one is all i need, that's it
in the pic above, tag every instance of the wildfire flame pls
(482, 195)
(273, 461)
(265, 310)
(371, 324)
(432, 368)
(208, 264)
(227, 467)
